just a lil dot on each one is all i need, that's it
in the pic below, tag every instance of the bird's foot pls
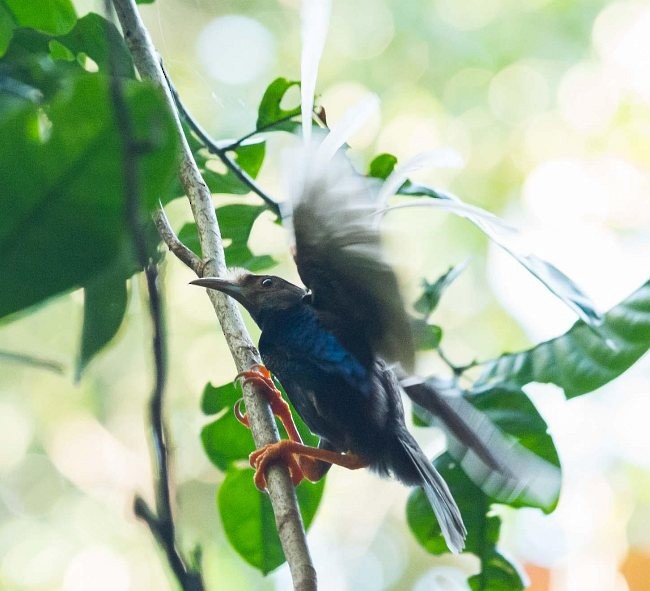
(273, 453)
(302, 460)
(261, 376)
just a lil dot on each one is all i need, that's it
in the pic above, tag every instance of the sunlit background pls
(548, 102)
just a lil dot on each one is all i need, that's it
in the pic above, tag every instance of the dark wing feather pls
(339, 256)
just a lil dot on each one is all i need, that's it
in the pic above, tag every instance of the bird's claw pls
(273, 453)
(239, 415)
(260, 375)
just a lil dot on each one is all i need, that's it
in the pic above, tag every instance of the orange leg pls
(302, 460)
(280, 408)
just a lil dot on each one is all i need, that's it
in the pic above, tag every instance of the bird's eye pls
(267, 282)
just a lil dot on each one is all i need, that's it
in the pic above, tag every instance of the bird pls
(342, 346)
(345, 393)
(333, 344)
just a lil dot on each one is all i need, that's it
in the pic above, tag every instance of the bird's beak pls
(230, 288)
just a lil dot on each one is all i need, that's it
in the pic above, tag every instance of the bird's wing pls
(339, 255)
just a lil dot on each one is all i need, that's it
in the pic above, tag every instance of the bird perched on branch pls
(329, 346)
(342, 346)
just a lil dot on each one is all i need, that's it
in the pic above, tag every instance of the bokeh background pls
(548, 102)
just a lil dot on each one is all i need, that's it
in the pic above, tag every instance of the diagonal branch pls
(281, 491)
(221, 153)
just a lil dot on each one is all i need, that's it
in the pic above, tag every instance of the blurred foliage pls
(63, 226)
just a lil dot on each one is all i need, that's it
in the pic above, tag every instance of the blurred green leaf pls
(382, 166)
(105, 299)
(50, 16)
(494, 228)
(248, 519)
(96, 37)
(270, 113)
(7, 25)
(249, 157)
(431, 292)
(216, 398)
(579, 361)
(144, 1)
(426, 336)
(482, 530)
(236, 223)
(60, 226)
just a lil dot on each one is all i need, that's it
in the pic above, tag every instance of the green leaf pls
(144, 1)
(63, 204)
(96, 37)
(579, 361)
(497, 574)
(482, 528)
(431, 292)
(236, 223)
(50, 16)
(226, 440)
(105, 300)
(248, 519)
(7, 25)
(249, 157)
(270, 113)
(382, 166)
(426, 336)
(216, 398)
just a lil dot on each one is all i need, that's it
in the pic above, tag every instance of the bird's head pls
(259, 294)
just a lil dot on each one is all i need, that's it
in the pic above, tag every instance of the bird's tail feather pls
(438, 494)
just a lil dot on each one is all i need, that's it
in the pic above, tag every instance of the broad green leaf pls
(270, 113)
(248, 519)
(62, 200)
(431, 292)
(105, 299)
(236, 222)
(579, 361)
(482, 529)
(382, 165)
(226, 440)
(50, 16)
(144, 1)
(96, 37)
(249, 157)
(7, 25)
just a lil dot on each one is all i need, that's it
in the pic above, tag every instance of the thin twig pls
(281, 492)
(268, 127)
(182, 252)
(221, 153)
(457, 370)
(25, 359)
(161, 522)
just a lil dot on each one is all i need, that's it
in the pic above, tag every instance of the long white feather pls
(315, 16)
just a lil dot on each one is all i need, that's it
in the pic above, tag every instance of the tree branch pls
(161, 522)
(281, 491)
(221, 153)
(182, 252)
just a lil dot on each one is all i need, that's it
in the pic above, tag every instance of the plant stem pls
(281, 491)
(221, 153)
